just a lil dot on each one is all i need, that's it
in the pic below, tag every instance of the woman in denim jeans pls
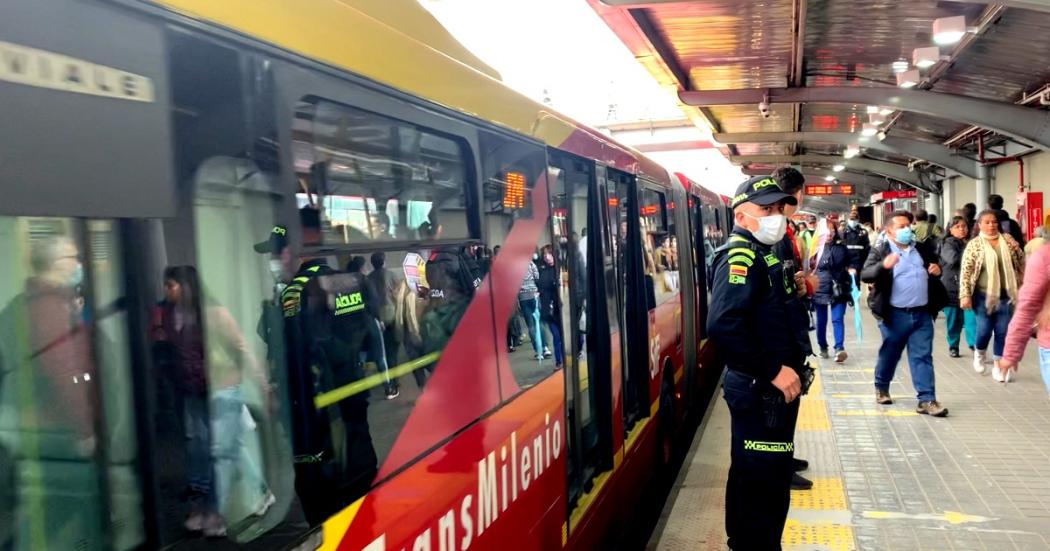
(1033, 310)
(214, 424)
(529, 304)
(992, 269)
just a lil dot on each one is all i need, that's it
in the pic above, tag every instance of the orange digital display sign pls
(514, 192)
(829, 189)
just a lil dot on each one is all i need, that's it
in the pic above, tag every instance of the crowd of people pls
(973, 270)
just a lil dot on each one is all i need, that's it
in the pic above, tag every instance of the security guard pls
(750, 326)
(797, 290)
(857, 244)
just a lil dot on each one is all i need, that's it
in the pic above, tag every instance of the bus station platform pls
(886, 478)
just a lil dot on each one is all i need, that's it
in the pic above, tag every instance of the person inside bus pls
(387, 284)
(549, 284)
(451, 290)
(528, 304)
(215, 421)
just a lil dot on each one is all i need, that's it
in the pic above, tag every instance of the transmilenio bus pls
(532, 341)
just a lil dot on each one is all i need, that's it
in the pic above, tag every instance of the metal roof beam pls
(1024, 123)
(890, 170)
(930, 152)
(1034, 5)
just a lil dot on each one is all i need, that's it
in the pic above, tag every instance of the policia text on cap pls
(749, 324)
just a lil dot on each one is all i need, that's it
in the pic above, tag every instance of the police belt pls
(805, 372)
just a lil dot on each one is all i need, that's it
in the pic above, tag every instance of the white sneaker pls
(997, 374)
(264, 504)
(979, 360)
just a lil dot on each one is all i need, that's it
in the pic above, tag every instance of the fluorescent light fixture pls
(829, 178)
(900, 66)
(927, 57)
(852, 150)
(876, 118)
(873, 109)
(885, 111)
(908, 79)
(838, 168)
(948, 30)
(869, 129)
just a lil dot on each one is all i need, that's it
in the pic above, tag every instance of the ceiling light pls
(885, 111)
(927, 57)
(948, 30)
(852, 150)
(869, 129)
(900, 66)
(908, 79)
(838, 168)
(876, 118)
(829, 178)
(873, 109)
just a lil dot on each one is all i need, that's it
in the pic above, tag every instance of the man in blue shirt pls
(906, 296)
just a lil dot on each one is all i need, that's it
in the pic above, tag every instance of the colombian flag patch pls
(735, 270)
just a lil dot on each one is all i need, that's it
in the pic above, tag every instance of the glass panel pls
(62, 342)
(370, 177)
(533, 333)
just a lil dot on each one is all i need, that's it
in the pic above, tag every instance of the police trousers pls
(758, 492)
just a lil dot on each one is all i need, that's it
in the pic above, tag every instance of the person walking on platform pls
(950, 252)
(857, 244)
(1006, 224)
(833, 291)
(992, 268)
(905, 298)
(798, 288)
(1033, 309)
(749, 325)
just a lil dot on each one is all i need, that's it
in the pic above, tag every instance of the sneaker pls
(214, 527)
(511, 349)
(799, 482)
(824, 353)
(882, 397)
(392, 391)
(841, 356)
(799, 465)
(953, 352)
(978, 360)
(932, 407)
(264, 504)
(1008, 376)
(539, 357)
(546, 352)
(194, 522)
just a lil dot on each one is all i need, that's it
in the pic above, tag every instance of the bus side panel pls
(486, 488)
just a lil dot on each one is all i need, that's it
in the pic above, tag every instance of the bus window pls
(661, 256)
(516, 235)
(371, 177)
(64, 340)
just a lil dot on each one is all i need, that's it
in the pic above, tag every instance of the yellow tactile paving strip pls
(832, 537)
(827, 495)
(813, 415)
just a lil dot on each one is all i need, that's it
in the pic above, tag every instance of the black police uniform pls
(750, 327)
(858, 246)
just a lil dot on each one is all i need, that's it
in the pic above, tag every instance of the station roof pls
(820, 64)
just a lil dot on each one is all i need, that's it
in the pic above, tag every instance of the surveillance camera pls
(763, 107)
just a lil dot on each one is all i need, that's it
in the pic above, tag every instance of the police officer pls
(749, 325)
(857, 245)
(797, 290)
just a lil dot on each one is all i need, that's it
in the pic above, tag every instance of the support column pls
(984, 186)
(933, 206)
(948, 199)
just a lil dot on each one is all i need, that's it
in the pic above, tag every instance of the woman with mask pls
(550, 302)
(833, 290)
(992, 269)
(950, 252)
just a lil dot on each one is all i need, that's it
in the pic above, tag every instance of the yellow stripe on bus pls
(336, 526)
(333, 396)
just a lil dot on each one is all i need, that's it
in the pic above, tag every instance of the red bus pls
(518, 370)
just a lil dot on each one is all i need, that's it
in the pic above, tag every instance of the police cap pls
(762, 191)
(275, 243)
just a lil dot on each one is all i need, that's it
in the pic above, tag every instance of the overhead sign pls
(894, 194)
(829, 189)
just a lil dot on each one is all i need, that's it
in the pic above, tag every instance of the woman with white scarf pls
(992, 269)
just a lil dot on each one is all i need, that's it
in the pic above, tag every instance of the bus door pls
(633, 292)
(700, 262)
(587, 345)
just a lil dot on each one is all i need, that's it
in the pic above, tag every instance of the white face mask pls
(770, 228)
(276, 269)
